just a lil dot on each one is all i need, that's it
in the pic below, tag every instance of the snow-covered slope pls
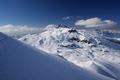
(95, 50)
(21, 62)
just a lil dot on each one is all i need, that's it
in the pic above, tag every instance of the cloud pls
(96, 22)
(18, 30)
(67, 17)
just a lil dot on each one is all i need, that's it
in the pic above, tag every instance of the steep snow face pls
(89, 49)
(21, 62)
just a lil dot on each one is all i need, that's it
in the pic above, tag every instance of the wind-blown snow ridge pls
(89, 49)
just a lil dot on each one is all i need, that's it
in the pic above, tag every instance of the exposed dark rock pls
(74, 39)
(72, 31)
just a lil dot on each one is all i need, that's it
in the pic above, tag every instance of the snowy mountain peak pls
(53, 26)
(83, 47)
(22, 62)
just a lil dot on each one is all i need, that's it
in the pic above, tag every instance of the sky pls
(44, 12)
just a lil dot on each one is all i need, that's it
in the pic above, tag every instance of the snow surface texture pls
(91, 49)
(21, 62)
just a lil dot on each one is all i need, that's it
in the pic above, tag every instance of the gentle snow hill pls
(92, 49)
(21, 62)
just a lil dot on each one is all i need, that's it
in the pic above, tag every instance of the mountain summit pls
(21, 62)
(92, 49)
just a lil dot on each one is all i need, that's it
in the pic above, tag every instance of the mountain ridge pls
(82, 47)
(19, 61)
